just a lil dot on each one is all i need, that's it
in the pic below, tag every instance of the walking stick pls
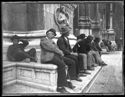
(67, 73)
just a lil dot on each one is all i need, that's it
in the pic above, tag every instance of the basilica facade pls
(30, 19)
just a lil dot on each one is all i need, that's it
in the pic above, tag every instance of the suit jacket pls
(76, 46)
(96, 47)
(48, 50)
(15, 49)
(84, 46)
(64, 45)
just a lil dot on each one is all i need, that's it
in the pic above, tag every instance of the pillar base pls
(86, 31)
(111, 37)
(111, 31)
(111, 34)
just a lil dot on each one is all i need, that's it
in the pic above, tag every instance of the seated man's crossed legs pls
(29, 56)
(32, 53)
(98, 59)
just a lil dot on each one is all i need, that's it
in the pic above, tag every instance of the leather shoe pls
(78, 79)
(91, 68)
(62, 90)
(104, 64)
(70, 85)
(82, 71)
(95, 65)
(86, 72)
(81, 74)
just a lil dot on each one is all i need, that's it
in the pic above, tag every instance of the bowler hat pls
(82, 36)
(52, 30)
(90, 37)
(14, 37)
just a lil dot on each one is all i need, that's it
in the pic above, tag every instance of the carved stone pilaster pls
(111, 33)
(95, 19)
(84, 21)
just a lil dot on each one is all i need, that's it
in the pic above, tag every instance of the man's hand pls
(27, 60)
(74, 53)
(66, 67)
(62, 54)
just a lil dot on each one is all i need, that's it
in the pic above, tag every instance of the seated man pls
(16, 51)
(96, 50)
(82, 56)
(85, 48)
(63, 44)
(96, 46)
(51, 54)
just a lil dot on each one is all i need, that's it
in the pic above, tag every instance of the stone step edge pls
(88, 86)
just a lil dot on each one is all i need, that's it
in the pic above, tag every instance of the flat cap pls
(52, 30)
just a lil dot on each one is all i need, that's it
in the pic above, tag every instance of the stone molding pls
(32, 34)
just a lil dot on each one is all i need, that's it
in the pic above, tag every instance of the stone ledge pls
(32, 74)
(38, 65)
(9, 83)
(31, 65)
(7, 64)
(37, 85)
(32, 34)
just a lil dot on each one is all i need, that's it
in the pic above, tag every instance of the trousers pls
(75, 58)
(71, 67)
(62, 79)
(20, 56)
(91, 59)
(97, 57)
(82, 61)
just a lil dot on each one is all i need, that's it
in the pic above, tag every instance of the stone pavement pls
(110, 79)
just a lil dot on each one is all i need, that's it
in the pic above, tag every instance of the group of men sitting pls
(71, 63)
(108, 45)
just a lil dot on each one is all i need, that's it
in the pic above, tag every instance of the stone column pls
(84, 22)
(96, 20)
(111, 33)
(103, 21)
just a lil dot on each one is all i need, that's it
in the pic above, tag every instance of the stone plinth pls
(36, 75)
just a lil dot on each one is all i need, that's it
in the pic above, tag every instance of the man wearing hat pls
(63, 44)
(96, 50)
(85, 48)
(50, 53)
(16, 51)
(82, 56)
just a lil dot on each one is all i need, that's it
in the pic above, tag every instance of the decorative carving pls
(62, 18)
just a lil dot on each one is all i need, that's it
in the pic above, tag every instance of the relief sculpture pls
(62, 18)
